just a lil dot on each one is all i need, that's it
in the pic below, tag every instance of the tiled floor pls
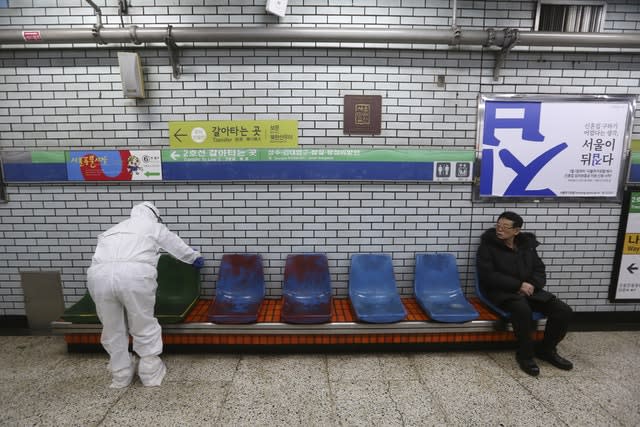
(41, 384)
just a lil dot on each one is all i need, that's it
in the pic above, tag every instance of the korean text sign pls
(553, 147)
(625, 285)
(234, 134)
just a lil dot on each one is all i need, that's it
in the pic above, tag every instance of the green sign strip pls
(634, 206)
(48, 157)
(320, 154)
(635, 151)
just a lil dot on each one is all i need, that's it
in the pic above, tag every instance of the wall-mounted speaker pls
(131, 74)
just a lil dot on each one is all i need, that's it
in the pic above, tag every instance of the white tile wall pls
(61, 98)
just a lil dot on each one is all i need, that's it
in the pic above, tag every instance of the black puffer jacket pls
(502, 270)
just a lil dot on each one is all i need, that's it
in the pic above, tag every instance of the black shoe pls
(529, 366)
(555, 359)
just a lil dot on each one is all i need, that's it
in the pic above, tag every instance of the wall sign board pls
(36, 166)
(234, 134)
(550, 147)
(248, 164)
(314, 164)
(121, 165)
(634, 167)
(625, 284)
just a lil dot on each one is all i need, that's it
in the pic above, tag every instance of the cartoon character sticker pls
(133, 165)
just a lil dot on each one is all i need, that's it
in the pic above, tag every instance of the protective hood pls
(147, 211)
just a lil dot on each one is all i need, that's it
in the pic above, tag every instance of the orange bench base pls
(341, 314)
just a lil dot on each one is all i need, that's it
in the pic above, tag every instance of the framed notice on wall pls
(362, 114)
(553, 147)
(625, 283)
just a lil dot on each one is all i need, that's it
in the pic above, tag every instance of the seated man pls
(512, 275)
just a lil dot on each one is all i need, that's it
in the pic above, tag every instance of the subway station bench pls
(194, 327)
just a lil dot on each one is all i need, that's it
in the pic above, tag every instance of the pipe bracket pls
(174, 56)
(134, 35)
(455, 37)
(491, 37)
(95, 32)
(511, 38)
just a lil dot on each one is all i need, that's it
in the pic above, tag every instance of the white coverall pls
(122, 281)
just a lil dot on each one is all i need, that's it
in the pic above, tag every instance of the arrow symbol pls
(175, 155)
(177, 135)
(151, 173)
(632, 268)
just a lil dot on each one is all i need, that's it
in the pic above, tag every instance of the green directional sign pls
(211, 155)
(336, 155)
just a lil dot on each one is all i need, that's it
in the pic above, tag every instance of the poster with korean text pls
(553, 147)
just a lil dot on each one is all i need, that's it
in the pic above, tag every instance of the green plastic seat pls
(84, 311)
(178, 292)
(178, 289)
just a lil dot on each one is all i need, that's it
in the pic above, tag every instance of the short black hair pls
(513, 217)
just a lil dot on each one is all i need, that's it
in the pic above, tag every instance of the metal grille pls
(569, 18)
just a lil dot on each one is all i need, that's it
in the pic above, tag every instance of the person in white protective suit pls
(122, 283)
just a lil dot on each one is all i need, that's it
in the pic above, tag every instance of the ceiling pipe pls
(486, 38)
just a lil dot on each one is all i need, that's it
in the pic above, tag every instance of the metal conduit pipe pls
(243, 34)
(490, 37)
(619, 40)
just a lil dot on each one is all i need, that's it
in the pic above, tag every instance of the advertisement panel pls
(120, 165)
(553, 147)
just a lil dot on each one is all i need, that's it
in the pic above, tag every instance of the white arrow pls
(175, 155)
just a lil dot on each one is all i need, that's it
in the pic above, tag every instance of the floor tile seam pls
(227, 391)
(396, 408)
(110, 408)
(582, 361)
(433, 394)
(522, 381)
(332, 397)
(195, 381)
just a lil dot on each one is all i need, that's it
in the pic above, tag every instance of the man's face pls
(505, 229)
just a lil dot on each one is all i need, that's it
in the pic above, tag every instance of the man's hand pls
(526, 289)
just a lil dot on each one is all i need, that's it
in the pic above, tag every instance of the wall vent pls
(570, 16)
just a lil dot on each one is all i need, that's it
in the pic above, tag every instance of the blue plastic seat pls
(505, 315)
(307, 289)
(239, 291)
(372, 289)
(437, 289)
